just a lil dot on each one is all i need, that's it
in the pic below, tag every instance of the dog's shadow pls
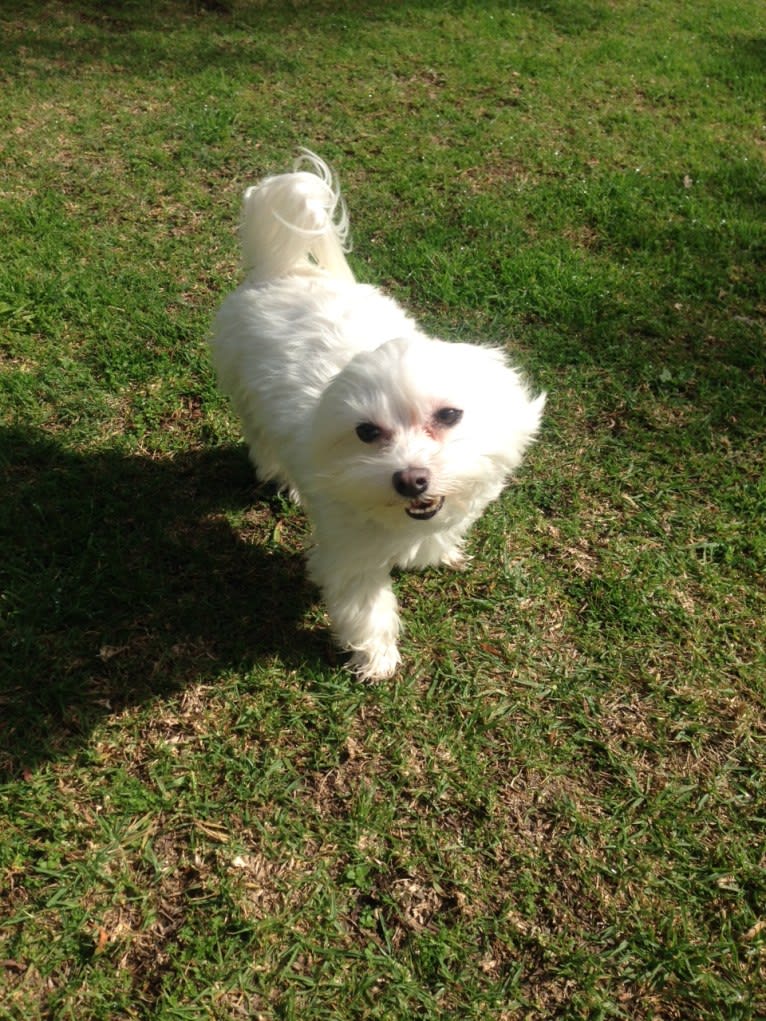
(122, 579)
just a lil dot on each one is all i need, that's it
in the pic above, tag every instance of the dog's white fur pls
(307, 355)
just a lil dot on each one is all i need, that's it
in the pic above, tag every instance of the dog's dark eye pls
(368, 432)
(448, 416)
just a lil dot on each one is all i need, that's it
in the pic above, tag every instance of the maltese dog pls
(392, 441)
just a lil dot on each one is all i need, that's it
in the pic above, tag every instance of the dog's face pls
(420, 432)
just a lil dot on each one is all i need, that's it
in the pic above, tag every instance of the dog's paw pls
(456, 558)
(375, 664)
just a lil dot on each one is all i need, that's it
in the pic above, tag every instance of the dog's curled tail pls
(292, 221)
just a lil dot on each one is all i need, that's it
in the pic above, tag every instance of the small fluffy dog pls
(393, 442)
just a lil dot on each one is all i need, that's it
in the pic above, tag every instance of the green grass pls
(556, 809)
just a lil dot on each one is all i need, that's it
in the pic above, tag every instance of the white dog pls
(393, 442)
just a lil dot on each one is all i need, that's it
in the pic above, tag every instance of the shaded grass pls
(556, 809)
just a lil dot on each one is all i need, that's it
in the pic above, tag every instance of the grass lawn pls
(556, 810)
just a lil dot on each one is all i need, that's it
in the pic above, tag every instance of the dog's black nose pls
(411, 482)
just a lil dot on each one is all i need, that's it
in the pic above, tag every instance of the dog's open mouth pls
(425, 507)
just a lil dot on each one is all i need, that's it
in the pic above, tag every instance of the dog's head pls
(421, 431)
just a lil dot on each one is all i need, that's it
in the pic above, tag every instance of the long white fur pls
(291, 218)
(306, 354)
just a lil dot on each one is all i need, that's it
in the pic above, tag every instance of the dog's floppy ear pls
(514, 414)
(522, 422)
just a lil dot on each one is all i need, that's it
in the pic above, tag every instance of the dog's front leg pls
(363, 611)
